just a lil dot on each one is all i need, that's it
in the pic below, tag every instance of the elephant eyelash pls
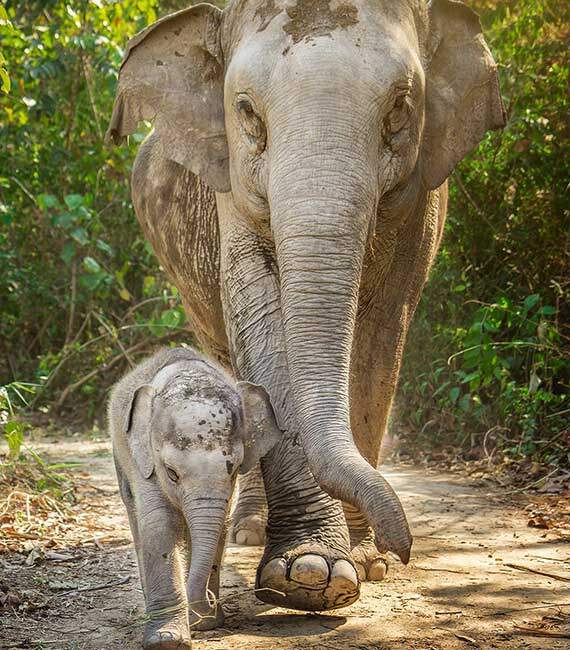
(252, 125)
(172, 475)
(399, 116)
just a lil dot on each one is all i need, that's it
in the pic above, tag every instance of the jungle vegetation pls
(81, 295)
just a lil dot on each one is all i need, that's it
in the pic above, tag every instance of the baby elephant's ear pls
(260, 431)
(137, 426)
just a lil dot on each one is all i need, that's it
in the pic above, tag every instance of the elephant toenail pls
(247, 538)
(361, 571)
(275, 570)
(310, 571)
(377, 570)
(345, 571)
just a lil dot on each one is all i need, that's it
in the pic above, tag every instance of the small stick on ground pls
(554, 576)
(104, 585)
(425, 568)
(531, 631)
(526, 609)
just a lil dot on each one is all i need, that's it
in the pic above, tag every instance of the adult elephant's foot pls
(369, 562)
(308, 581)
(249, 517)
(249, 530)
(170, 632)
(314, 574)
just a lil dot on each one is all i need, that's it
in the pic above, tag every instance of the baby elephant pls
(182, 430)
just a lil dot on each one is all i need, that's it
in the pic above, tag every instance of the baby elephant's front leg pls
(160, 541)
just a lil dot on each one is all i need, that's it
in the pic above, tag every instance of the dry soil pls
(457, 592)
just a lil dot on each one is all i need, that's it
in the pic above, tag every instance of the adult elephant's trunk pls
(321, 217)
(206, 519)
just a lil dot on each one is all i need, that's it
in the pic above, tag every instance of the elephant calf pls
(182, 430)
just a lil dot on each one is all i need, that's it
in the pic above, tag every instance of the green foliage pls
(80, 285)
(12, 397)
(488, 348)
(5, 25)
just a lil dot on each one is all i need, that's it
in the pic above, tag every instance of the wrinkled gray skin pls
(181, 432)
(295, 190)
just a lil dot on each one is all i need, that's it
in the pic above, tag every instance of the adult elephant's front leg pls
(249, 517)
(380, 336)
(306, 564)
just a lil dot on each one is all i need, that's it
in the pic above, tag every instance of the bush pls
(81, 290)
(488, 347)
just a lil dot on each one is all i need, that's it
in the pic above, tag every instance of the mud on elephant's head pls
(310, 118)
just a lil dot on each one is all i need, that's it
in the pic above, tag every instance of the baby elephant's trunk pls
(205, 517)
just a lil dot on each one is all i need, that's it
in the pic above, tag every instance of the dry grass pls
(46, 506)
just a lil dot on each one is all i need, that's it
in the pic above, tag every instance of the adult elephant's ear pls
(173, 74)
(463, 101)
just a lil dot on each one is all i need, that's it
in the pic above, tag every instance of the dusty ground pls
(457, 592)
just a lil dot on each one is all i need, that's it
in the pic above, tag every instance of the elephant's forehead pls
(202, 423)
(354, 42)
(306, 18)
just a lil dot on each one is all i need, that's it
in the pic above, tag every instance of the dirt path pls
(457, 592)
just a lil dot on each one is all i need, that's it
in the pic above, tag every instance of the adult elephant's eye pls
(251, 125)
(172, 475)
(398, 117)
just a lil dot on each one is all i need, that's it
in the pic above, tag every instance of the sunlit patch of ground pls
(480, 576)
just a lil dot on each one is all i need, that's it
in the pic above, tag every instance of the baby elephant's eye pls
(172, 475)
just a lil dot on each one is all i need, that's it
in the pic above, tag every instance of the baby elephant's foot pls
(308, 579)
(206, 621)
(167, 634)
(249, 531)
(369, 562)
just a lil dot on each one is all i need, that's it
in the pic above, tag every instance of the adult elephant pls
(294, 188)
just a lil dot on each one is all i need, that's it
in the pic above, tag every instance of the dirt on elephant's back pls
(479, 577)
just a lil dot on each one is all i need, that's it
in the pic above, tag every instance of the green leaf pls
(155, 329)
(73, 201)
(454, 394)
(149, 284)
(47, 201)
(14, 432)
(80, 235)
(5, 79)
(68, 252)
(465, 402)
(103, 246)
(171, 318)
(547, 310)
(92, 280)
(91, 265)
(65, 220)
(531, 301)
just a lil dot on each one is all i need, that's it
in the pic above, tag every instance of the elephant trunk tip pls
(401, 545)
(352, 479)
